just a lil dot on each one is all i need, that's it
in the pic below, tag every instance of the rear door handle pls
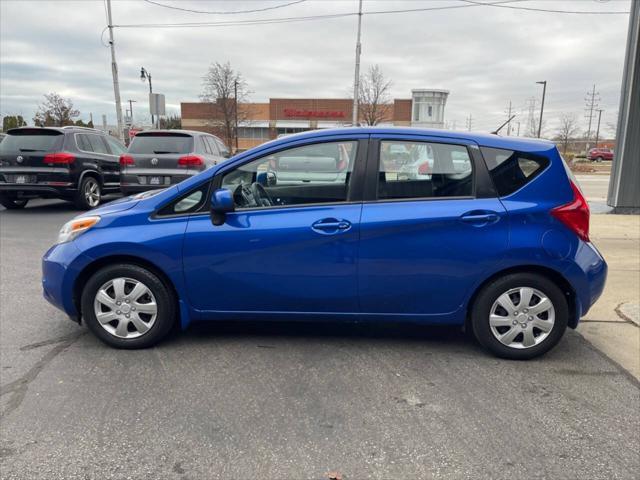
(329, 226)
(480, 218)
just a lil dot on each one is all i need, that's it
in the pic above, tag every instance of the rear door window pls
(409, 170)
(32, 140)
(161, 143)
(115, 146)
(97, 144)
(511, 170)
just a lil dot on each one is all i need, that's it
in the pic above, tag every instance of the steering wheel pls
(260, 195)
(253, 195)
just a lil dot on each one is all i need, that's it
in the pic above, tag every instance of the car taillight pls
(575, 214)
(59, 158)
(126, 160)
(424, 168)
(190, 161)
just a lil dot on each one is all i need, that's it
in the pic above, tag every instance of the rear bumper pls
(588, 275)
(138, 180)
(48, 182)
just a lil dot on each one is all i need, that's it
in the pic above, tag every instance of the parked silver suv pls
(160, 158)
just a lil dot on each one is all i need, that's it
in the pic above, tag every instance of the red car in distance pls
(600, 154)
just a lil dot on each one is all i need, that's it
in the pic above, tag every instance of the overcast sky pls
(486, 56)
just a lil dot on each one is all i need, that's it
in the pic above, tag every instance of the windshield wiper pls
(31, 150)
(162, 151)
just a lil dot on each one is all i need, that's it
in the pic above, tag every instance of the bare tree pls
(55, 111)
(373, 98)
(567, 130)
(220, 86)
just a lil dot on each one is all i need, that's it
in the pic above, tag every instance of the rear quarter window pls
(511, 170)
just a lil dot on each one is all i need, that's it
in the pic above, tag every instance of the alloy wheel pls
(125, 307)
(522, 317)
(92, 193)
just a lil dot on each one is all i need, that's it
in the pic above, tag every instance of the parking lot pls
(284, 400)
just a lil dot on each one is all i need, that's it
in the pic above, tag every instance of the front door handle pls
(330, 226)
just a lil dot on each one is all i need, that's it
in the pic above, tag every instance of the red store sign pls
(294, 112)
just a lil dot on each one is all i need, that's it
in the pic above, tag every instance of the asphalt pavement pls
(284, 400)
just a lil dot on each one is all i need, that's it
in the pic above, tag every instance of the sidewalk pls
(612, 324)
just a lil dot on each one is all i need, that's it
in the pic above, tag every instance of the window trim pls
(373, 167)
(156, 215)
(356, 183)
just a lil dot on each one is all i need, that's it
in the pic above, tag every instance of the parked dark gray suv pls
(73, 163)
(160, 158)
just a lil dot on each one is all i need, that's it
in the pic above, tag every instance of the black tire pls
(482, 306)
(164, 299)
(83, 199)
(599, 159)
(13, 203)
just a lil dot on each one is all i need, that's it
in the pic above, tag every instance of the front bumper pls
(61, 266)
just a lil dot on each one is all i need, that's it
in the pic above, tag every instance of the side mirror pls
(221, 204)
(226, 153)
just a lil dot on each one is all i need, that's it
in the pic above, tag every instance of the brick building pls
(261, 122)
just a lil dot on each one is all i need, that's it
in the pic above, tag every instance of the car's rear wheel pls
(520, 316)
(599, 159)
(89, 194)
(13, 203)
(127, 306)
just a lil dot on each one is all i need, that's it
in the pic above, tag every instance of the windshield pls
(159, 144)
(32, 141)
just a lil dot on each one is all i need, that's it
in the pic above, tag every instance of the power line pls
(546, 10)
(274, 7)
(468, 4)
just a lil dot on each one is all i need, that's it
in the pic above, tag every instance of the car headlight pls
(76, 227)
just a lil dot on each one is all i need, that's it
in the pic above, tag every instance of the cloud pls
(485, 56)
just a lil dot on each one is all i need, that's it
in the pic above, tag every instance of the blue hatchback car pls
(357, 224)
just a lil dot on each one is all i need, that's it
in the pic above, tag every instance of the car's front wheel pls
(13, 203)
(127, 306)
(520, 316)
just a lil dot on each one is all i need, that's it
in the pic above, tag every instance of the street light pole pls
(544, 91)
(356, 83)
(114, 72)
(144, 74)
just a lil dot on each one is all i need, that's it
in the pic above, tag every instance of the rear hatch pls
(159, 150)
(26, 148)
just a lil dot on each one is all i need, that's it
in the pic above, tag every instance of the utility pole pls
(598, 129)
(235, 113)
(114, 72)
(544, 91)
(518, 133)
(469, 122)
(592, 103)
(509, 120)
(356, 83)
(131, 102)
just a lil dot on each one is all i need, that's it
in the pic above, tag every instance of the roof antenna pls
(500, 127)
